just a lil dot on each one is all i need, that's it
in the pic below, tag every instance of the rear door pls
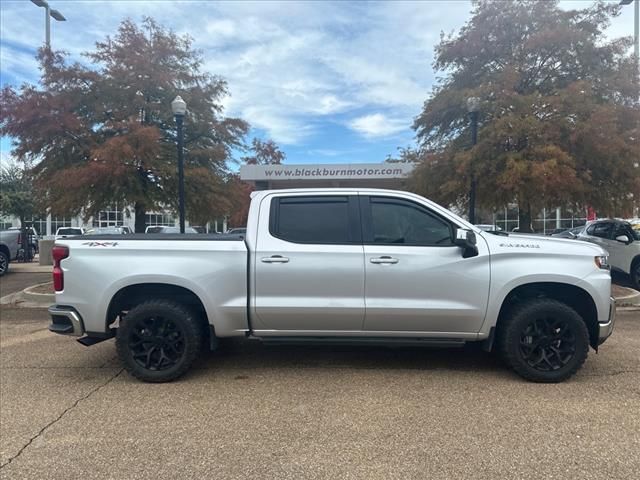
(600, 233)
(416, 278)
(309, 265)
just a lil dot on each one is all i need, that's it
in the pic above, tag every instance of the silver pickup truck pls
(357, 266)
(9, 248)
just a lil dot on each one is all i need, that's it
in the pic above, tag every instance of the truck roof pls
(263, 193)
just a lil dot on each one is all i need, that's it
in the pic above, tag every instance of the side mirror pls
(466, 240)
(623, 239)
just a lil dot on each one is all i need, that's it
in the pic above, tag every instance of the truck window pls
(602, 230)
(396, 221)
(322, 219)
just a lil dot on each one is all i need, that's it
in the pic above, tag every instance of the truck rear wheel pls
(158, 340)
(544, 340)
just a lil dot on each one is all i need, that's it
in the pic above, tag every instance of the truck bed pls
(213, 267)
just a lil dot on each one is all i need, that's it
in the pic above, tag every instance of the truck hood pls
(537, 244)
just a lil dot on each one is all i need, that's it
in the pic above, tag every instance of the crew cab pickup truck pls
(356, 266)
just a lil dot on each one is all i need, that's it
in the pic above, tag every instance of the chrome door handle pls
(384, 260)
(275, 259)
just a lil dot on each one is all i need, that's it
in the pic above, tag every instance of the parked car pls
(33, 238)
(65, 232)
(108, 231)
(162, 229)
(237, 231)
(337, 266)
(9, 247)
(569, 233)
(621, 241)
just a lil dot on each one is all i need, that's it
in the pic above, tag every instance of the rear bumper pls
(605, 329)
(65, 321)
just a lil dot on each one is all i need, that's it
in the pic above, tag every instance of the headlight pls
(602, 261)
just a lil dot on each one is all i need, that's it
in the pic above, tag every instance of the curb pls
(17, 267)
(29, 296)
(631, 300)
(17, 300)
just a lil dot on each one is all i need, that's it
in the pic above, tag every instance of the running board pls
(363, 341)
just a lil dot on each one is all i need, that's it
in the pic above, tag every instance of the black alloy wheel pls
(547, 344)
(543, 340)
(158, 340)
(156, 343)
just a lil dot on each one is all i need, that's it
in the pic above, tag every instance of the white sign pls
(351, 171)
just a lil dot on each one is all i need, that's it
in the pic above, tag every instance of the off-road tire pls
(4, 263)
(635, 274)
(514, 333)
(184, 338)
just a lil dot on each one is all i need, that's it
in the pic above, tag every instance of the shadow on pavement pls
(621, 279)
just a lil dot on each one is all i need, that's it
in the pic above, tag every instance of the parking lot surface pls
(14, 282)
(251, 411)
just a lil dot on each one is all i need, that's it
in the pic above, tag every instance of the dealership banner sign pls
(352, 171)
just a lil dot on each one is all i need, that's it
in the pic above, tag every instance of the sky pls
(330, 82)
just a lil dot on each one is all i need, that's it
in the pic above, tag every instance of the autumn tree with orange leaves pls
(104, 133)
(559, 119)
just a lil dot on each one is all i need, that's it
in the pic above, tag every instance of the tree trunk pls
(140, 211)
(524, 218)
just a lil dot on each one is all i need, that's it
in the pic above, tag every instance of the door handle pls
(275, 259)
(386, 260)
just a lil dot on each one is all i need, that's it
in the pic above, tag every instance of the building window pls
(5, 224)
(109, 218)
(161, 219)
(59, 222)
(39, 223)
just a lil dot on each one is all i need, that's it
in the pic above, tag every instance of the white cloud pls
(290, 66)
(283, 129)
(378, 125)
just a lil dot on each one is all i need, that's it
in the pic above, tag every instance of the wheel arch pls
(131, 295)
(575, 297)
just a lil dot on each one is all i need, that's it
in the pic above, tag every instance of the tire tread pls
(193, 339)
(507, 335)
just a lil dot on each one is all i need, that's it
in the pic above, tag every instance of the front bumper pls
(605, 329)
(65, 321)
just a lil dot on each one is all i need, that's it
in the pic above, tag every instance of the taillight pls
(59, 253)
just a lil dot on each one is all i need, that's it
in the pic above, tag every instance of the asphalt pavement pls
(251, 411)
(12, 282)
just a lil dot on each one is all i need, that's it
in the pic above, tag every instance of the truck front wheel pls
(544, 340)
(158, 340)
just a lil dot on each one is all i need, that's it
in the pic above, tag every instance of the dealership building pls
(363, 175)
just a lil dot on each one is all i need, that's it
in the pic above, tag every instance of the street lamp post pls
(473, 106)
(48, 12)
(179, 108)
(636, 26)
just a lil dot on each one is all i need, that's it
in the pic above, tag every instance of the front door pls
(416, 278)
(309, 266)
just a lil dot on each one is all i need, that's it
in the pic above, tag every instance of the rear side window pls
(323, 219)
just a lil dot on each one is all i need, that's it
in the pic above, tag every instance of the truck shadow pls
(251, 355)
